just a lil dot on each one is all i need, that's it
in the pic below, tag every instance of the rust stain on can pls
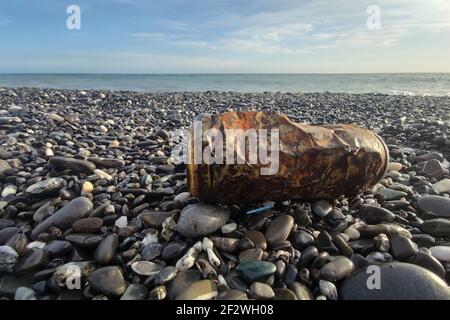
(315, 162)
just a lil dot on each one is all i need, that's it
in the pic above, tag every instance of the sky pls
(225, 36)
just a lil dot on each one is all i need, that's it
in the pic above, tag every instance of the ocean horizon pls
(420, 84)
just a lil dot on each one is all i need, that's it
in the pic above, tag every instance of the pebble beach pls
(87, 183)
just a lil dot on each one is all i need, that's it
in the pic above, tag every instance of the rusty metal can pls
(314, 161)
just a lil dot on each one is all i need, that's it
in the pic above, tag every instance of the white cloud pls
(303, 27)
(155, 36)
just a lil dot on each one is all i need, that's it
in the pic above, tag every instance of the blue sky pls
(215, 36)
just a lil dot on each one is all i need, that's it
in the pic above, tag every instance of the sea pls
(420, 84)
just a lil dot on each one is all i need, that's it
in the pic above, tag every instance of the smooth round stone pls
(307, 257)
(18, 242)
(337, 269)
(76, 165)
(201, 290)
(257, 238)
(424, 240)
(88, 225)
(251, 254)
(165, 275)
(440, 206)
(46, 187)
(322, 259)
(7, 233)
(402, 248)
(352, 233)
(106, 249)
(232, 294)
(251, 271)
(183, 196)
(151, 251)
(245, 243)
(321, 208)
(173, 250)
(155, 219)
(145, 268)
(301, 291)
(328, 289)
(58, 248)
(158, 293)
(390, 229)
(182, 281)
(228, 245)
(436, 227)
(135, 291)
(6, 223)
(284, 294)
(8, 258)
(303, 239)
(32, 260)
(88, 241)
(290, 274)
(429, 262)
(324, 242)
(75, 210)
(261, 291)
(398, 281)
(429, 156)
(388, 194)
(108, 280)
(342, 245)
(442, 253)
(375, 215)
(24, 293)
(201, 219)
(279, 229)
(4, 166)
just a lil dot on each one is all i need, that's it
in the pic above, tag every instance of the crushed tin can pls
(312, 161)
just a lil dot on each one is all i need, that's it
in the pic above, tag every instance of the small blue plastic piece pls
(259, 210)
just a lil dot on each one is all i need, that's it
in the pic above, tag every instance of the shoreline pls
(86, 180)
(412, 95)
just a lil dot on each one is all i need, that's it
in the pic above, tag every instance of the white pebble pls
(207, 244)
(442, 186)
(36, 244)
(103, 174)
(222, 282)
(215, 262)
(187, 261)
(9, 190)
(198, 246)
(150, 238)
(122, 222)
(227, 228)
(182, 196)
(49, 152)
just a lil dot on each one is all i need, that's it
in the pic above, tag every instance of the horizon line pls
(214, 73)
